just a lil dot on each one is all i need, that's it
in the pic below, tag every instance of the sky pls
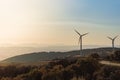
(49, 24)
(52, 22)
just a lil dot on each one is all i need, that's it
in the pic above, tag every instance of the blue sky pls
(102, 11)
(52, 22)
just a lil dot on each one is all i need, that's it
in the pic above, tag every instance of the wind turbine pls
(80, 39)
(113, 41)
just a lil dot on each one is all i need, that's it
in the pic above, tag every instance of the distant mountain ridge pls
(47, 56)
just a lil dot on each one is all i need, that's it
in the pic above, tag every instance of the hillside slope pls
(46, 56)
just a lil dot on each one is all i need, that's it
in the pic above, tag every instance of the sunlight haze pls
(46, 23)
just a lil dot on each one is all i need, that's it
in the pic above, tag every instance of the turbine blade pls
(85, 34)
(109, 38)
(77, 32)
(115, 37)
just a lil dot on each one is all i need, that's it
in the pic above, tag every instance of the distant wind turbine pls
(80, 39)
(113, 41)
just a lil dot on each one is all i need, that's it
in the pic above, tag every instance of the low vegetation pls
(114, 57)
(87, 68)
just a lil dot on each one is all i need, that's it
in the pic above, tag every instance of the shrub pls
(94, 55)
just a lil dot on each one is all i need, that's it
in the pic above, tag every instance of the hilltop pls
(47, 56)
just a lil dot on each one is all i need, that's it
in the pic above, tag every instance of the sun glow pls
(47, 21)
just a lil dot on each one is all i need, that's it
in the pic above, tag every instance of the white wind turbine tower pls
(113, 41)
(80, 39)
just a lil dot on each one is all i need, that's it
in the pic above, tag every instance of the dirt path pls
(110, 63)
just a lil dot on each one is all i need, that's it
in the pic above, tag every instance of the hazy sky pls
(52, 22)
